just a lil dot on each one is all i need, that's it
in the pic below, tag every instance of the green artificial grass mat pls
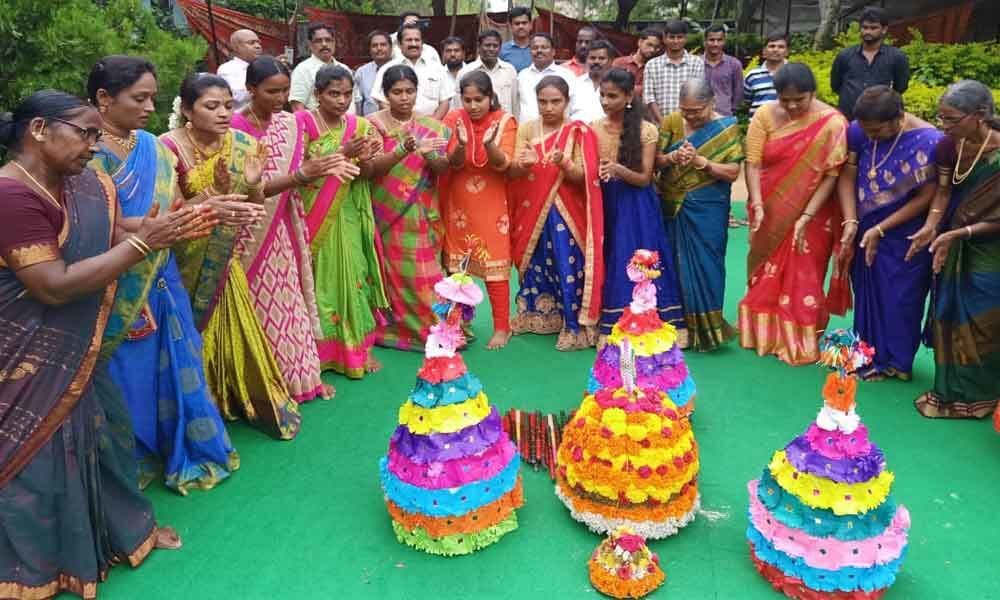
(306, 519)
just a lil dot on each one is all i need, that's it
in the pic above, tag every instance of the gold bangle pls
(142, 243)
(847, 221)
(936, 210)
(136, 243)
(701, 168)
(878, 228)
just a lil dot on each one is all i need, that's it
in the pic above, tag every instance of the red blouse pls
(33, 228)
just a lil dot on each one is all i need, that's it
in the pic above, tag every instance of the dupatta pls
(49, 352)
(581, 206)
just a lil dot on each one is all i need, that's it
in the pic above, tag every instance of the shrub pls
(54, 45)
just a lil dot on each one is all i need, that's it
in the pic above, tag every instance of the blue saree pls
(696, 213)
(890, 295)
(156, 360)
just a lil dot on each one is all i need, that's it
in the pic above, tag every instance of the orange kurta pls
(475, 202)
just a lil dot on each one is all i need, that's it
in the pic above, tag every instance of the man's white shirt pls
(427, 52)
(587, 103)
(234, 71)
(529, 78)
(504, 78)
(304, 83)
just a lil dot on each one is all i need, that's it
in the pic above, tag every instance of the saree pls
(405, 206)
(890, 295)
(633, 220)
(278, 264)
(341, 232)
(154, 348)
(240, 367)
(696, 213)
(557, 238)
(474, 199)
(70, 505)
(964, 322)
(785, 310)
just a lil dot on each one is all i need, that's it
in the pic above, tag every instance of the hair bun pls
(6, 129)
(6, 117)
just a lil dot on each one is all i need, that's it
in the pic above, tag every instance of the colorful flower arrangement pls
(622, 566)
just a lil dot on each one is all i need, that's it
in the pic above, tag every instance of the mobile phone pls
(289, 54)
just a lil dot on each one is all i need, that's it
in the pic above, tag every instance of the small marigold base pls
(610, 584)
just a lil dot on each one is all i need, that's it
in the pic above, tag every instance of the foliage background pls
(54, 45)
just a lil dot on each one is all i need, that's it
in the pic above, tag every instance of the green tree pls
(54, 45)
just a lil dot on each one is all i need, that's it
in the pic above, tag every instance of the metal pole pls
(763, 17)
(788, 19)
(211, 27)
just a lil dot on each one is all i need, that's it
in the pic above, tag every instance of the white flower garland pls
(176, 119)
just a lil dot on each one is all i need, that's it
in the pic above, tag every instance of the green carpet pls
(305, 519)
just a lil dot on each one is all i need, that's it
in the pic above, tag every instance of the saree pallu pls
(964, 323)
(405, 206)
(633, 220)
(154, 348)
(70, 505)
(696, 213)
(239, 366)
(890, 295)
(785, 310)
(474, 199)
(557, 241)
(278, 264)
(341, 230)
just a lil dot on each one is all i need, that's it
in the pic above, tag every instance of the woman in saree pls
(633, 219)
(475, 201)
(700, 155)
(795, 148)
(240, 366)
(71, 502)
(405, 205)
(557, 235)
(341, 228)
(158, 363)
(276, 256)
(885, 190)
(964, 327)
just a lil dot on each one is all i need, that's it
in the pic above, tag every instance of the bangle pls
(400, 151)
(936, 210)
(702, 167)
(878, 228)
(139, 245)
(299, 176)
(968, 232)
(850, 222)
(808, 214)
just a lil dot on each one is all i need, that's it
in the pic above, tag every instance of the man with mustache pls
(543, 63)
(587, 107)
(869, 63)
(322, 44)
(578, 64)
(501, 73)
(434, 88)
(427, 52)
(517, 50)
(380, 51)
(649, 48)
(453, 54)
(244, 46)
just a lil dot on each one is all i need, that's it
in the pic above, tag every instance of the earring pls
(628, 106)
(188, 125)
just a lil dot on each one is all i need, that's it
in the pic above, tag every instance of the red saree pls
(785, 309)
(581, 207)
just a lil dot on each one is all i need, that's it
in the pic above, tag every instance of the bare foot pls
(499, 340)
(167, 538)
(329, 391)
(372, 365)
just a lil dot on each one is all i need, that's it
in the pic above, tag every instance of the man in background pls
(501, 73)
(665, 74)
(543, 62)
(323, 45)
(427, 52)
(649, 48)
(244, 46)
(587, 104)
(434, 88)
(723, 72)
(868, 64)
(758, 86)
(453, 55)
(578, 64)
(517, 50)
(380, 51)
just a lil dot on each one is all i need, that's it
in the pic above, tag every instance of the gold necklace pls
(201, 152)
(547, 154)
(125, 143)
(957, 178)
(873, 171)
(399, 124)
(44, 190)
(256, 120)
(322, 121)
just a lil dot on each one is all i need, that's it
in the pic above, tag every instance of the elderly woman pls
(699, 158)
(964, 327)
(885, 190)
(795, 149)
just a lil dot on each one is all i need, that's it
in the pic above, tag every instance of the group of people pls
(151, 288)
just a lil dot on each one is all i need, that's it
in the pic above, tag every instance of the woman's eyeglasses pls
(87, 134)
(950, 121)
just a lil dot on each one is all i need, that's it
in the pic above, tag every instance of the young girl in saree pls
(341, 228)
(405, 205)
(632, 216)
(212, 158)
(475, 200)
(557, 234)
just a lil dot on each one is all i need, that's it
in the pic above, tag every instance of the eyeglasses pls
(87, 134)
(950, 121)
(693, 110)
